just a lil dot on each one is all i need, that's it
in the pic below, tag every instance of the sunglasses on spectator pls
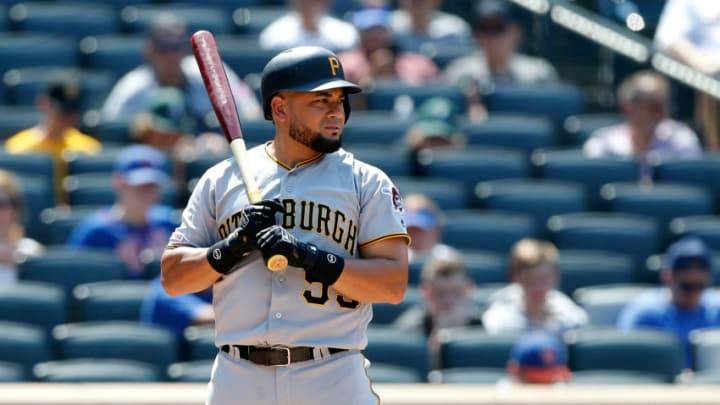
(691, 287)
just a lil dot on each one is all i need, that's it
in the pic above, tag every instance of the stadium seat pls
(137, 19)
(706, 378)
(467, 375)
(392, 161)
(95, 189)
(640, 351)
(38, 194)
(385, 314)
(384, 95)
(244, 55)
(10, 372)
(485, 267)
(103, 162)
(579, 128)
(703, 172)
(603, 303)
(389, 374)
(495, 232)
(465, 348)
(588, 268)
(227, 5)
(571, 165)
(116, 340)
(24, 345)
(191, 371)
(482, 293)
(705, 227)
(115, 53)
(398, 348)
(65, 19)
(200, 342)
(472, 166)
(252, 20)
(523, 132)
(706, 349)
(443, 53)
(96, 371)
(615, 377)
(68, 268)
(109, 300)
(634, 235)
(662, 202)
(34, 164)
(26, 50)
(14, 119)
(112, 134)
(4, 24)
(381, 131)
(540, 199)
(194, 169)
(59, 222)
(39, 304)
(555, 101)
(447, 194)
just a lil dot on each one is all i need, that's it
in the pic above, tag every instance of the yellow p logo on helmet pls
(334, 65)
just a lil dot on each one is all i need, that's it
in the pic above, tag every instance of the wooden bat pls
(218, 89)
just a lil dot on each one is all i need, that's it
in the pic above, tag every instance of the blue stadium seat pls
(399, 348)
(10, 372)
(634, 235)
(200, 342)
(485, 267)
(26, 50)
(639, 351)
(137, 19)
(705, 227)
(579, 128)
(615, 377)
(495, 232)
(33, 164)
(66, 19)
(540, 199)
(571, 165)
(590, 268)
(191, 371)
(243, 55)
(390, 374)
(227, 5)
(603, 303)
(111, 133)
(482, 294)
(39, 304)
(115, 53)
(706, 378)
(38, 195)
(447, 194)
(379, 129)
(385, 314)
(96, 371)
(103, 162)
(59, 222)
(252, 20)
(4, 26)
(524, 132)
(474, 348)
(24, 345)
(116, 340)
(468, 375)
(555, 101)
(703, 172)
(383, 95)
(70, 268)
(95, 189)
(109, 300)
(194, 169)
(392, 161)
(14, 119)
(25, 84)
(706, 349)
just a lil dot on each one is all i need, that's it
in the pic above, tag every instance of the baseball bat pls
(218, 89)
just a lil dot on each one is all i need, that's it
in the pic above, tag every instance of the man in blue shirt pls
(135, 225)
(686, 304)
(176, 313)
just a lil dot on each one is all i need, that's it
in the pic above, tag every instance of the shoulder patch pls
(178, 237)
(395, 197)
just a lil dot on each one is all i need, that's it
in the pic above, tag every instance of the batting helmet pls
(304, 68)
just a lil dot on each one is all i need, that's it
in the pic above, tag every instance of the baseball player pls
(294, 336)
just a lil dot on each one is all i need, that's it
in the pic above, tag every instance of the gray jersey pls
(335, 202)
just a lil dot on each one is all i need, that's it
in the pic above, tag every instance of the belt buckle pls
(287, 351)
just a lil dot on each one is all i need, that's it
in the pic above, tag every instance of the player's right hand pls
(257, 217)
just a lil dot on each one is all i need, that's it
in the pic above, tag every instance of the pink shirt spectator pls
(410, 68)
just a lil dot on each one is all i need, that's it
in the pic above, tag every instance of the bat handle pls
(277, 263)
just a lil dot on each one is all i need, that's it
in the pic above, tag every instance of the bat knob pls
(277, 263)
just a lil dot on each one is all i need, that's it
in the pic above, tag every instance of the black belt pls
(275, 356)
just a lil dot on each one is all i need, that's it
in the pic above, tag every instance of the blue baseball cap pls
(689, 252)
(142, 164)
(371, 18)
(423, 219)
(539, 349)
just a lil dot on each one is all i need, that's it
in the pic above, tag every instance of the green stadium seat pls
(244, 55)
(555, 101)
(39, 304)
(25, 50)
(110, 300)
(138, 19)
(398, 348)
(468, 375)
(495, 232)
(118, 54)
(392, 161)
(382, 131)
(603, 303)
(384, 95)
(615, 377)
(705, 227)
(474, 348)
(96, 371)
(523, 132)
(447, 194)
(10, 372)
(200, 341)
(116, 340)
(59, 222)
(391, 374)
(706, 349)
(579, 128)
(590, 268)
(637, 351)
(70, 268)
(95, 189)
(386, 314)
(24, 345)
(191, 371)
(704, 172)
(64, 19)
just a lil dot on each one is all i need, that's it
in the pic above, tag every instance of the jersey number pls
(323, 298)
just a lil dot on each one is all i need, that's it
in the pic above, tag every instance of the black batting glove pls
(224, 254)
(325, 266)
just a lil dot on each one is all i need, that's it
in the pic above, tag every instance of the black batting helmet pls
(304, 68)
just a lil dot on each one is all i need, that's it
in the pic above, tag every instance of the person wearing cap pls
(424, 224)
(56, 133)
(308, 24)
(378, 56)
(538, 358)
(169, 64)
(135, 226)
(176, 313)
(418, 22)
(685, 303)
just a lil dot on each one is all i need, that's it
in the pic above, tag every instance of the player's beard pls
(313, 140)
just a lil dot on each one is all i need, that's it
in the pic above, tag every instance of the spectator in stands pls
(14, 246)
(378, 57)
(136, 226)
(538, 358)
(169, 65)
(647, 132)
(176, 313)
(309, 24)
(685, 304)
(417, 22)
(688, 30)
(56, 134)
(423, 221)
(532, 302)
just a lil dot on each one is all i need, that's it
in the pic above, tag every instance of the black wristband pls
(325, 266)
(222, 257)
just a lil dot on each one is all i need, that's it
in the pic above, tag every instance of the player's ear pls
(278, 107)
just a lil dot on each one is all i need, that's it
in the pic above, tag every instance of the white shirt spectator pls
(506, 313)
(24, 248)
(288, 31)
(133, 91)
(442, 25)
(522, 69)
(697, 21)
